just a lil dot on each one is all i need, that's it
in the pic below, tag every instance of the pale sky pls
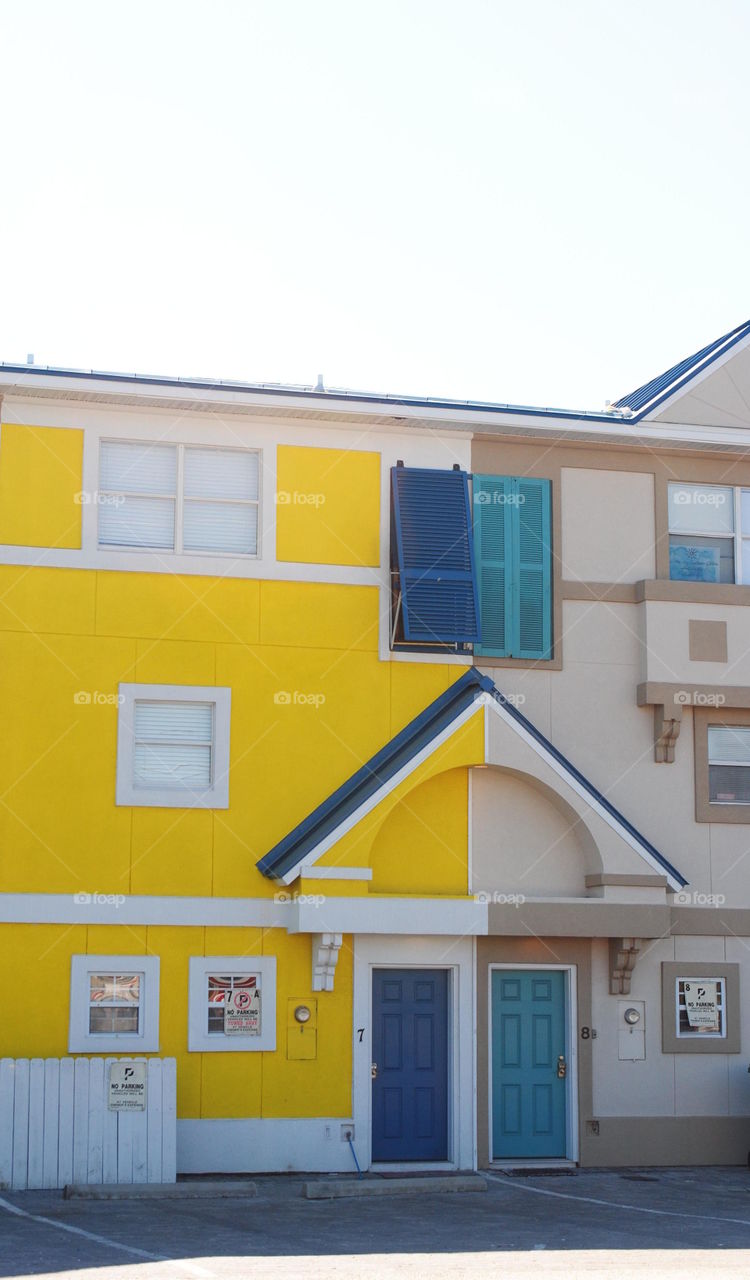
(536, 201)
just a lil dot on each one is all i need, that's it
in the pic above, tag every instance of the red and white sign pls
(242, 1011)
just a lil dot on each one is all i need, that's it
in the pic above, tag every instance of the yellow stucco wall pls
(328, 506)
(40, 486)
(67, 638)
(311, 701)
(209, 1085)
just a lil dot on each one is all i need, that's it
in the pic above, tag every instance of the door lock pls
(373, 1069)
(562, 1067)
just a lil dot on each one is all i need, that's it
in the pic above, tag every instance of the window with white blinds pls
(729, 764)
(180, 498)
(174, 743)
(173, 746)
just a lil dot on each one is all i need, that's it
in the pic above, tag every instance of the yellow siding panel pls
(47, 600)
(60, 831)
(327, 506)
(40, 479)
(422, 847)
(165, 606)
(414, 685)
(116, 940)
(172, 851)
(287, 756)
(319, 615)
(174, 948)
(36, 956)
(174, 662)
(321, 1086)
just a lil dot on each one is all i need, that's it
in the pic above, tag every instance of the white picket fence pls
(56, 1128)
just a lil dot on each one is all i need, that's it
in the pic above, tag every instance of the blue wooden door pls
(528, 1041)
(410, 1057)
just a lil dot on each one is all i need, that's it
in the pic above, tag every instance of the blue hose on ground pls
(356, 1161)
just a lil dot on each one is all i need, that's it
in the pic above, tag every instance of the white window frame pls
(146, 1039)
(216, 795)
(725, 764)
(737, 535)
(199, 1040)
(178, 497)
(696, 1033)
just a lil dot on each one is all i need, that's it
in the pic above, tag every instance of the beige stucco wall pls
(721, 399)
(589, 712)
(666, 654)
(679, 1084)
(607, 525)
(523, 843)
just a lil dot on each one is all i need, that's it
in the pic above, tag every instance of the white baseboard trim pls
(264, 1146)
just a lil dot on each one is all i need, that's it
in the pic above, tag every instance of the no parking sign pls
(242, 1011)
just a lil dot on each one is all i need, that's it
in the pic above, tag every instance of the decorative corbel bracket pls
(667, 701)
(667, 725)
(623, 953)
(325, 954)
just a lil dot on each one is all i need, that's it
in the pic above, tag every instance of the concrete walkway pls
(680, 1222)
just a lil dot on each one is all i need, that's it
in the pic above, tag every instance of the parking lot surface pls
(637, 1222)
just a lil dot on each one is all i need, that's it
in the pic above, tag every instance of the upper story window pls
(728, 764)
(173, 746)
(176, 497)
(709, 533)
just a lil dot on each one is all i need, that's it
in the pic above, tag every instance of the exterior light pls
(632, 1016)
(302, 1013)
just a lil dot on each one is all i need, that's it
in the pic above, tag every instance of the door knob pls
(373, 1069)
(562, 1067)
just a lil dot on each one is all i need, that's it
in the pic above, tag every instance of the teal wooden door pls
(528, 1039)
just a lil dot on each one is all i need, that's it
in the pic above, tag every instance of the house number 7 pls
(360, 1033)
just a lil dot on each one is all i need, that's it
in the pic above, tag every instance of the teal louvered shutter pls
(514, 566)
(532, 569)
(493, 539)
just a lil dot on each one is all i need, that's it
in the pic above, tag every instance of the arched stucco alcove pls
(526, 839)
(422, 847)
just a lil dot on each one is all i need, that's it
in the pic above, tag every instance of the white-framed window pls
(232, 1004)
(189, 499)
(114, 1004)
(700, 1008)
(729, 764)
(173, 746)
(709, 533)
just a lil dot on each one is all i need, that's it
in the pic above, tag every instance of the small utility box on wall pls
(301, 1028)
(631, 1030)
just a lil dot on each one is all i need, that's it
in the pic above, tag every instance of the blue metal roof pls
(328, 395)
(418, 734)
(629, 409)
(658, 389)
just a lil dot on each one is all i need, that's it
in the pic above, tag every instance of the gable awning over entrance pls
(403, 754)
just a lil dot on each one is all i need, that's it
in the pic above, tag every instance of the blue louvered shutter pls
(435, 555)
(533, 570)
(493, 537)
